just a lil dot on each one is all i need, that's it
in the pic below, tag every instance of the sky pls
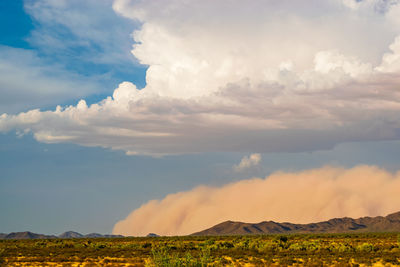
(133, 116)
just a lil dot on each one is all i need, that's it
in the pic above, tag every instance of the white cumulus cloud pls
(262, 76)
(248, 162)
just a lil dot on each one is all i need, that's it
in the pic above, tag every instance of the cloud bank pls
(302, 197)
(248, 162)
(264, 76)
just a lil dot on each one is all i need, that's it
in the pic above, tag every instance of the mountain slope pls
(390, 223)
(70, 234)
(27, 235)
(96, 235)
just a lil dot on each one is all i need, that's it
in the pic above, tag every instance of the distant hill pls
(152, 235)
(69, 234)
(113, 236)
(27, 235)
(96, 235)
(390, 223)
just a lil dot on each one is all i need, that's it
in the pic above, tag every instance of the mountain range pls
(69, 234)
(390, 223)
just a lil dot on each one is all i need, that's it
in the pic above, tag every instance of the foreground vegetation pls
(381, 249)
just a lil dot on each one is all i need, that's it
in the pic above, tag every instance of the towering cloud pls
(302, 197)
(259, 76)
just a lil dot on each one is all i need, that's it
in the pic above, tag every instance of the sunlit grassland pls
(301, 249)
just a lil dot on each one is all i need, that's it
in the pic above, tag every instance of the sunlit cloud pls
(248, 162)
(269, 76)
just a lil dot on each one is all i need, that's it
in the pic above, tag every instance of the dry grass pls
(269, 250)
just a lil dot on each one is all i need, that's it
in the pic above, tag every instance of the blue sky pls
(15, 24)
(28, 165)
(60, 51)
(213, 97)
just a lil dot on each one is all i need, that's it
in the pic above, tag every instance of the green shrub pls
(365, 247)
(162, 257)
(297, 246)
(146, 245)
(398, 240)
(226, 244)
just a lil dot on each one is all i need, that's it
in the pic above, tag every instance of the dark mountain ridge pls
(69, 234)
(26, 235)
(390, 223)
